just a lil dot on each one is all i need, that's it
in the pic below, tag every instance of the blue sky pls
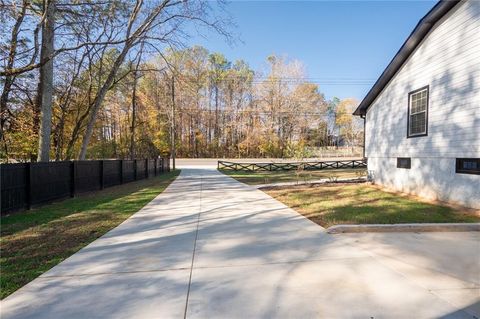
(334, 39)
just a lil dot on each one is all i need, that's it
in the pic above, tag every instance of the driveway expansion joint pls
(194, 249)
(113, 273)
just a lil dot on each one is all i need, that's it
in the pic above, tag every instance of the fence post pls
(134, 169)
(146, 168)
(29, 185)
(72, 178)
(102, 179)
(121, 171)
(155, 166)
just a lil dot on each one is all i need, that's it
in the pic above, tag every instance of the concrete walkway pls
(211, 247)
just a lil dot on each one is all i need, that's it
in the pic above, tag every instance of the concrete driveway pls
(211, 247)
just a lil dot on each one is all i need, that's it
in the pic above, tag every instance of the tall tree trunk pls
(114, 136)
(134, 115)
(209, 114)
(46, 82)
(173, 137)
(216, 135)
(58, 137)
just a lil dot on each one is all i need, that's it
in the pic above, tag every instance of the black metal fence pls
(24, 185)
(284, 166)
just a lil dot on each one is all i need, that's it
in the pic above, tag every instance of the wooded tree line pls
(111, 79)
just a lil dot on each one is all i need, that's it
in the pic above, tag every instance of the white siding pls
(448, 61)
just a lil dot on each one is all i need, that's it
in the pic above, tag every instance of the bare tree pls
(19, 16)
(76, 21)
(136, 76)
(158, 24)
(45, 87)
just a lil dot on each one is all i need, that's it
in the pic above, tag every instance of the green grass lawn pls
(34, 241)
(361, 203)
(266, 177)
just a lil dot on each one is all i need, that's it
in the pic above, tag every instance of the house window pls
(403, 162)
(418, 112)
(468, 166)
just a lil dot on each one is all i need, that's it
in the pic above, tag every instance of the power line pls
(288, 80)
(190, 110)
(294, 81)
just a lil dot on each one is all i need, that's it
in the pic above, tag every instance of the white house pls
(422, 116)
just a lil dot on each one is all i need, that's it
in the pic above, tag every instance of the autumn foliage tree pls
(350, 127)
(39, 34)
(112, 79)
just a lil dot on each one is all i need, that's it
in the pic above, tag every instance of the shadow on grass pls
(92, 202)
(34, 241)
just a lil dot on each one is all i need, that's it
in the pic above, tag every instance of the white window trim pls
(420, 90)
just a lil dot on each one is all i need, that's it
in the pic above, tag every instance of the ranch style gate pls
(280, 166)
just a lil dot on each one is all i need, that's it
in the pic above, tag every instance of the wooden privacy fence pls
(24, 185)
(280, 166)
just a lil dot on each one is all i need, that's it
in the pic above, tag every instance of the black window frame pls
(459, 167)
(427, 87)
(400, 159)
